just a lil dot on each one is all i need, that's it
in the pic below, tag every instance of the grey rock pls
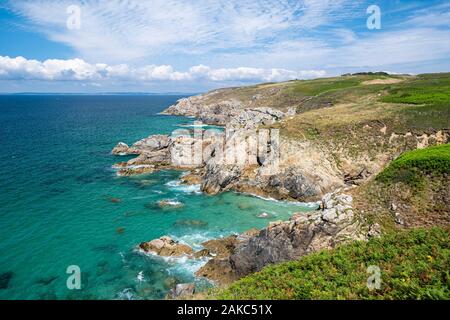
(374, 231)
(302, 234)
(219, 178)
(122, 149)
(182, 290)
(152, 143)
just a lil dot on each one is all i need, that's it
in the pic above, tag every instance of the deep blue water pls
(56, 208)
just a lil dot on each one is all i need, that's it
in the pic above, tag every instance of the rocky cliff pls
(325, 135)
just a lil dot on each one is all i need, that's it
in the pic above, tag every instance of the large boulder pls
(221, 248)
(302, 234)
(219, 178)
(166, 247)
(153, 143)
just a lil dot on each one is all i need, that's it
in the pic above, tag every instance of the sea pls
(65, 213)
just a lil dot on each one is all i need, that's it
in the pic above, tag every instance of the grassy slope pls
(414, 264)
(412, 167)
(425, 98)
(417, 182)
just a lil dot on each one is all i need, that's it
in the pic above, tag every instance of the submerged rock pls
(120, 230)
(5, 278)
(115, 200)
(170, 282)
(46, 280)
(166, 247)
(170, 203)
(191, 223)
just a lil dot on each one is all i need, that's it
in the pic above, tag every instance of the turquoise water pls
(61, 204)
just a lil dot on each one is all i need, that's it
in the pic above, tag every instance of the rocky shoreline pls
(297, 178)
(233, 257)
(306, 172)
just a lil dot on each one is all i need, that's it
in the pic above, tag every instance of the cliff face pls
(323, 142)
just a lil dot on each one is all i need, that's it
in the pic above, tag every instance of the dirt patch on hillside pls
(382, 81)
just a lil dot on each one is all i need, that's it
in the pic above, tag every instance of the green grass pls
(426, 89)
(414, 264)
(431, 95)
(411, 166)
(316, 87)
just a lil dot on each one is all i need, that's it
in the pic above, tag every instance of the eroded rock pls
(166, 247)
(302, 234)
(182, 290)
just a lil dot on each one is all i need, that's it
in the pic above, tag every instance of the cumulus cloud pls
(20, 68)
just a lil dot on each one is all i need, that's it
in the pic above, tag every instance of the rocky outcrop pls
(170, 203)
(182, 290)
(218, 178)
(227, 111)
(219, 269)
(153, 143)
(153, 153)
(305, 173)
(122, 149)
(304, 233)
(165, 247)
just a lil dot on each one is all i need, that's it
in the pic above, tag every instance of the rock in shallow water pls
(5, 278)
(166, 247)
(122, 149)
(191, 223)
(169, 203)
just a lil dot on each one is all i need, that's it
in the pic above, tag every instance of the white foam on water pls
(187, 267)
(126, 294)
(140, 276)
(189, 125)
(195, 240)
(178, 186)
(284, 202)
(141, 197)
(170, 202)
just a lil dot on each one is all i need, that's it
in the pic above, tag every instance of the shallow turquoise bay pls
(59, 207)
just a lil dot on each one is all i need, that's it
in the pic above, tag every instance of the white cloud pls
(123, 31)
(20, 68)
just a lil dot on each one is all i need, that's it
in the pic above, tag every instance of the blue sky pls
(193, 46)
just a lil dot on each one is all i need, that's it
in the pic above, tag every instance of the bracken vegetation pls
(414, 264)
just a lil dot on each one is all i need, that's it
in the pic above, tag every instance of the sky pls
(157, 46)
